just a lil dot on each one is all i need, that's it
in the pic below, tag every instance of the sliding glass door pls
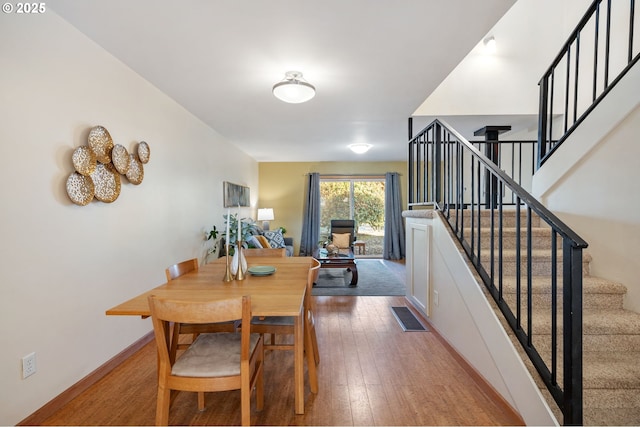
(358, 198)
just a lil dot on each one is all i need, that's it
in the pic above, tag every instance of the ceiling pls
(373, 63)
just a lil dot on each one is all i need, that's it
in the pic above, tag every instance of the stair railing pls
(598, 53)
(447, 172)
(518, 158)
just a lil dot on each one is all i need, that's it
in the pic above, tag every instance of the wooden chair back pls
(165, 311)
(314, 271)
(285, 326)
(184, 267)
(193, 329)
(309, 306)
(274, 252)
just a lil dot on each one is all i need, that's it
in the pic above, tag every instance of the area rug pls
(374, 279)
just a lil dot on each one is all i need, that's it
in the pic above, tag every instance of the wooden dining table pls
(279, 294)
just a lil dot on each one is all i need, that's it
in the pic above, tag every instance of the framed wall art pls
(235, 195)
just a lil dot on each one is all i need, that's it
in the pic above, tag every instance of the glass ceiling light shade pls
(360, 148)
(294, 89)
(490, 44)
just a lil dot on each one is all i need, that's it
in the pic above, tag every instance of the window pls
(359, 198)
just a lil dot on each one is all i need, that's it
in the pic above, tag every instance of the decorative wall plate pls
(101, 143)
(84, 160)
(135, 174)
(120, 158)
(143, 152)
(107, 183)
(80, 188)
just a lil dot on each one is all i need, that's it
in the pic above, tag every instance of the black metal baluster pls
(517, 264)
(529, 279)
(595, 52)
(577, 79)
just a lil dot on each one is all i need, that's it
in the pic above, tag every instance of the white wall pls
(63, 265)
(597, 195)
(506, 82)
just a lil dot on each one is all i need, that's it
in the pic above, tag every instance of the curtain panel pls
(394, 237)
(311, 220)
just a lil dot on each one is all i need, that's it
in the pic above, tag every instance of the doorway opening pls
(360, 198)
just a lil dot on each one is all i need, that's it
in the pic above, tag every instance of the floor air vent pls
(408, 321)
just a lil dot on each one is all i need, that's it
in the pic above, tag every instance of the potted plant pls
(248, 229)
(212, 235)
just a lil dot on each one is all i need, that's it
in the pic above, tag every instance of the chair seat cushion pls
(273, 320)
(212, 355)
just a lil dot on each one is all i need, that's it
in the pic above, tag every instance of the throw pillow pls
(263, 241)
(253, 240)
(275, 238)
(341, 240)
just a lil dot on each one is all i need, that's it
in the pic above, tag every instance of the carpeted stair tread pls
(611, 370)
(511, 232)
(595, 322)
(540, 238)
(623, 322)
(597, 292)
(591, 342)
(536, 255)
(542, 285)
(509, 218)
(611, 398)
(615, 417)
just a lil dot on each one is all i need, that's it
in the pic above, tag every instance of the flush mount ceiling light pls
(490, 44)
(294, 89)
(360, 148)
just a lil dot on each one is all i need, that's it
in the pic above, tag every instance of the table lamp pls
(265, 215)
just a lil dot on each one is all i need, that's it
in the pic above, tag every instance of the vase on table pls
(239, 263)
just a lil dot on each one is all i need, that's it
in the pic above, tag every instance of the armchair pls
(343, 233)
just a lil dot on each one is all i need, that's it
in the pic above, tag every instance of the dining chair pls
(173, 272)
(283, 325)
(214, 361)
(184, 267)
(275, 252)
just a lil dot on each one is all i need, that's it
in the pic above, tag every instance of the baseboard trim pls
(55, 404)
(482, 383)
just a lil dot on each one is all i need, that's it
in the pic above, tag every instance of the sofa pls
(265, 238)
(271, 239)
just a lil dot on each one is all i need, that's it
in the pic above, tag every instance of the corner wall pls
(591, 183)
(63, 265)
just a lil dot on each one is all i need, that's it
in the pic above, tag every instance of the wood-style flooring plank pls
(370, 373)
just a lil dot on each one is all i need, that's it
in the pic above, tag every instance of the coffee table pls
(345, 258)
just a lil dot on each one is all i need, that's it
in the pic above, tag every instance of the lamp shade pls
(265, 214)
(294, 89)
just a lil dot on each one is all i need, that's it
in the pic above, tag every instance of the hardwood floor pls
(370, 373)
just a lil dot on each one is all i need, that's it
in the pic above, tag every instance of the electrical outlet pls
(436, 299)
(28, 365)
